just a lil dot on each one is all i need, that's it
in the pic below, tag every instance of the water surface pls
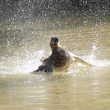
(81, 88)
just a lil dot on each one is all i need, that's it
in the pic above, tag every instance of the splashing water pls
(31, 64)
(26, 65)
(93, 60)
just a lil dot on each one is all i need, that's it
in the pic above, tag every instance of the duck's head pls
(54, 42)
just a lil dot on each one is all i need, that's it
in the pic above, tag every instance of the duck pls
(59, 60)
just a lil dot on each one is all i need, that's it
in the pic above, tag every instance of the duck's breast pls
(61, 58)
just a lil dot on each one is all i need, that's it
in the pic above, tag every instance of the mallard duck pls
(59, 59)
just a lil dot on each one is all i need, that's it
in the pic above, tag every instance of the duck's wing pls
(77, 59)
(45, 68)
(44, 60)
(81, 61)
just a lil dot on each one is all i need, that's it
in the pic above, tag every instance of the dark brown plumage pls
(58, 59)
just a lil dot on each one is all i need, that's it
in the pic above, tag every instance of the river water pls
(22, 46)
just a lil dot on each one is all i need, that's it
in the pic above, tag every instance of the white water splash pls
(98, 63)
(18, 66)
(32, 64)
(93, 60)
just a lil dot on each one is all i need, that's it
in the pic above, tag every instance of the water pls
(79, 91)
(23, 42)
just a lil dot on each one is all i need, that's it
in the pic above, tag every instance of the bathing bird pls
(60, 59)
